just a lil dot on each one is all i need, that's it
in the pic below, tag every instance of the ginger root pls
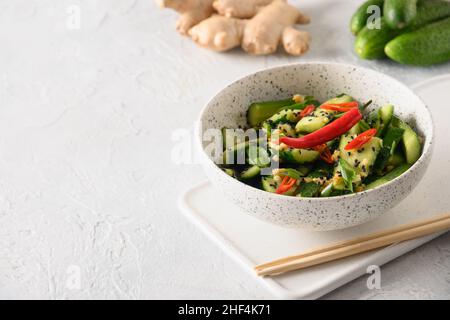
(271, 23)
(243, 9)
(264, 31)
(295, 42)
(218, 33)
(192, 12)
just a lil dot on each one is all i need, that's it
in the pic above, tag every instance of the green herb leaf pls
(348, 174)
(392, 138)
(363, 126)
(309, 189)
(382, 159)
(365, 105)
(374, 120)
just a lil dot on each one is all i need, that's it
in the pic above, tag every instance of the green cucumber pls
(429, 11)
(342, 98)
(389, 176)
(268, 184)
(320, 117)
(298, 156)
(231, 137)
(260, 111)
(250, 173)
(314, 122)
(359, 18)
(386, 113)
(237, 154)
(411, 143)
(425, 46)
(230, 172)
(399, 13)
(370, 43)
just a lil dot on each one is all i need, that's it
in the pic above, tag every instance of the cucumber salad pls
(306, 148)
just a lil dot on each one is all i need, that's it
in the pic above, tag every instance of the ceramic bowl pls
(322, 80)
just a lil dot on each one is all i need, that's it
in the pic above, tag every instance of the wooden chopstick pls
(359, 245)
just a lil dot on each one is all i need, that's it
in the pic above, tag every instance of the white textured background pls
(86, 182)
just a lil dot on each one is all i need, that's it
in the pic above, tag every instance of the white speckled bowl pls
(322, 80)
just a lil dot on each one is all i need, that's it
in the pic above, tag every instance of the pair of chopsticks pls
(351, 247)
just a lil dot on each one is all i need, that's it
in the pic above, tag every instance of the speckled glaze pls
(322, 80)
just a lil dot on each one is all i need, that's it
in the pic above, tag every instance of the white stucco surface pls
(88, 188)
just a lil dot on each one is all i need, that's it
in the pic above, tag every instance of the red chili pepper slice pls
(341, 107)
(308, 110)
(351, 104)
(285, 185)
(329, 132)
(325, 153)
(361, 139)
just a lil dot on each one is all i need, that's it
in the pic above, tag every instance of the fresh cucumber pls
(399, 13)
(386, 113)
(359, 18)
(230, 172)
(314, 122)
(320, 117)
(425, 46)
(298, 156)
(236, 154)
(231, 137)
(342, 98)
(411, 143)
(389, 176)
(260, 111)
(268, 184)
(429, 11)
(370, 43)
(250, 173)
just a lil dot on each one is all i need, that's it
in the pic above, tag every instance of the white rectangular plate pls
(251, 241)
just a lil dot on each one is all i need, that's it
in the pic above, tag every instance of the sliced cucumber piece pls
(342, 98)
(231, 137)
(237, 153)
(362, 160)
(283, 116)
(317, 120)
(260, 111)
(250, 173)
(326, 192)
(411, 143)
(268, 184)
(299, 156)
(389, 176)
(230, 172)
(320, 117)
(386, 113)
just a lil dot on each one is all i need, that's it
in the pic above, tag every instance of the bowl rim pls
(426, 148)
